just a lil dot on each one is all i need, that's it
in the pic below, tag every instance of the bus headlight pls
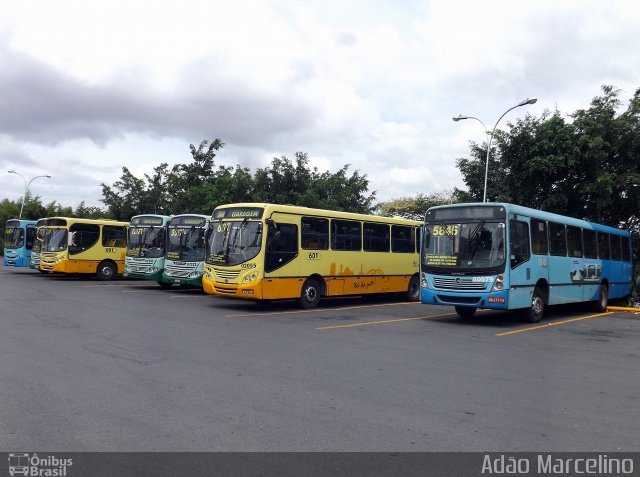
(250, 278)
(498, 285)
(424, 280)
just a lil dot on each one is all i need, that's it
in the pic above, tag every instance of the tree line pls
(585, 164)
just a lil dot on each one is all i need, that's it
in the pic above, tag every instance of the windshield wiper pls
(476, 230)
(446, 230)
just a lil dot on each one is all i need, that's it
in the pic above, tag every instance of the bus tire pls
(603, 299)
(534, 313)
(413, 292)
(106, 270)
(465, 311)
(310, 293)
(263, 303)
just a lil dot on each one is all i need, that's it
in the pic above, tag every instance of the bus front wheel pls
(534, 313)
(603, 299)
(465, 311)
(310, 294)
(413, 293)
(106, 271)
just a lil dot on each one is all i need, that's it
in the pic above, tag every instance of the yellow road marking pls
(623, 308)
(555, 323)
(398, 320)
(318, 310)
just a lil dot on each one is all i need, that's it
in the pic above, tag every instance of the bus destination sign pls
(197, 221)
(238, 213)
(146, 220)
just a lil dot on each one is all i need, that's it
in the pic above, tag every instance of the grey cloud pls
(42, 105)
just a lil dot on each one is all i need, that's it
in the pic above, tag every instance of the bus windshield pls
(186, 243)
(464, 245)
(235, 242)
(146, 242)
(55, 240)
(13, 237)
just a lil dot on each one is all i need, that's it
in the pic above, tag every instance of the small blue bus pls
(19, 237)
(503, 256)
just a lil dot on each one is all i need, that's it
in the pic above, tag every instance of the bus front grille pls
(179, 269)
(226, 274)
(458, 283)
(225, 290)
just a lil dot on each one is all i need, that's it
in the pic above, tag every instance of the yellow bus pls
(84, 246)
(266, 252)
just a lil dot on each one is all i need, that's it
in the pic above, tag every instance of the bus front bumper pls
(14, 261)
(493, 300)
(249, 291)
(156, 276)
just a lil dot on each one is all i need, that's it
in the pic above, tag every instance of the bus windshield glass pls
(13, 237)
(464, 245)
(235, 242)
(146, 242)
(55, 240)
(186, 244)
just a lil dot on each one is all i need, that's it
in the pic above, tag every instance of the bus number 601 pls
(314, 255)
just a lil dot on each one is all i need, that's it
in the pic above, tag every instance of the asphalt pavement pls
(126, 366)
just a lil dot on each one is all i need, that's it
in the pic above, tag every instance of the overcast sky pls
(87, 87)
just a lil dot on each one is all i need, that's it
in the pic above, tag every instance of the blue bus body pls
(503, 256)
(184, 259)
(19, 237)
(146, 246)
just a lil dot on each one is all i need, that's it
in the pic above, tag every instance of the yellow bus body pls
(96, 247)
(339, 272)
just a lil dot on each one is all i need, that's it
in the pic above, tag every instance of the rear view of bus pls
(184, 258)
(37, 244)
(146, 246)
(19, 238)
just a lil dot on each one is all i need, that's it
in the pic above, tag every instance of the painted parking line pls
(384, 322)
(623, 308)
(555, 323)
(319, 310)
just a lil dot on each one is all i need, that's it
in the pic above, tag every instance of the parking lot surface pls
(127, 366)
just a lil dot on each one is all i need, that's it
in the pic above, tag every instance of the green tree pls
(414, 207)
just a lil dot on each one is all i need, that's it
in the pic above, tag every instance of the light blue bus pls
(146, 246)
(184, 259)
(37, 244)
(19, 237)
(502, 256)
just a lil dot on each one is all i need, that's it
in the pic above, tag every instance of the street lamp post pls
(26, 186)
(490, 134)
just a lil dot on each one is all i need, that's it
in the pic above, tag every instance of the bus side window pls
(616, 253)
(604, 252)
(114, 236)
(83, 237)
(282, 246)
(590, 244)
(574, 241)
(557, 240)
(626, 254)
(540, 244)
(519, 242)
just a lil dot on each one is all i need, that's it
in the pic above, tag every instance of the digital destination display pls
(146, 220)
(13, 223)
(238, 213)
(470, 212)
(197, 221)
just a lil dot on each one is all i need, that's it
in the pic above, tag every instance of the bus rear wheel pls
(310, 294)
(106, 271)
(534, 313)
(413, 293)
(603, 299)
(465, 311)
